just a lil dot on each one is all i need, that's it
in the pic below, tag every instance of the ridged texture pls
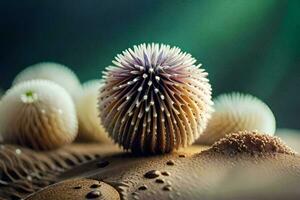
(90, 127)
(155, 99)
(38, 114)
(23, 171)
(237, 112)
(55, 72)
(250, 142)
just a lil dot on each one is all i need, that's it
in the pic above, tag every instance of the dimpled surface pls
(197, 172)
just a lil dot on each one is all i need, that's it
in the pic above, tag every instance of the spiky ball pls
(90, 129)
(238, 112)
(38, 114)
(155, 99)
(55, 72)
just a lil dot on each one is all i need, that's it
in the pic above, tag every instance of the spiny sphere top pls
(155, 99)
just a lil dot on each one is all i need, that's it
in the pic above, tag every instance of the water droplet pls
(152, 174)
(95, 185)
(170, 162)
(93, 194)
(165, 173)
(102, 164)
(143, 187)
(159, 180)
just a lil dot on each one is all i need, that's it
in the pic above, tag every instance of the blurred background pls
(247, 46)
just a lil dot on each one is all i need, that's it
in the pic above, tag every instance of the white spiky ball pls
(55, 72)
(238, 112)
(38, 114)
(155, 99)
(90, 128)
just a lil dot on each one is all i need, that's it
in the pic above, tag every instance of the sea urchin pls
(238, 112)
(38, 114)
(155, 99)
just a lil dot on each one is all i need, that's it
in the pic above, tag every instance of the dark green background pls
(246, 45)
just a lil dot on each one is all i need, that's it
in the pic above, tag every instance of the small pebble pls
(165, 173)
(159, 180)
(167, 188)
(152, 174)
(170, 162)
(95, 185)
(143, 187)
(93, 194)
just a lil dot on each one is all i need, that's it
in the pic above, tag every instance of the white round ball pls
(55, 72)
(90, 129)
(238, 112)
(38, 114)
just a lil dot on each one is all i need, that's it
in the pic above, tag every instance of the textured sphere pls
(38, 114)
(90, 128)
(55, 72)
(155, 99)
(238, 112)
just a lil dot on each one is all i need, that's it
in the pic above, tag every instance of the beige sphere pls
(90, 128)
(55, 72)
(38, 114)
(238, 112)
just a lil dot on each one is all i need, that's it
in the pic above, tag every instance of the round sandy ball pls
(38, 114)
(155, 99)
(90, 128)
(55, 72)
